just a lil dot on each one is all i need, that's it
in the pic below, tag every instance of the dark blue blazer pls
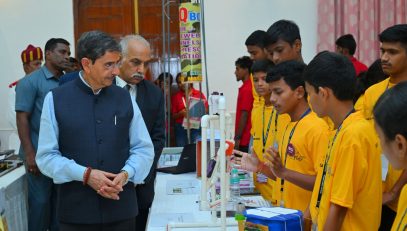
(150, 100)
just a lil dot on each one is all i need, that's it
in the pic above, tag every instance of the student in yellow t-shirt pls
(255, 47)
(347, 191)
(294, 161)
(390, 116)
(263, 124)
(394, 63)
(300, 141)
(283, 44)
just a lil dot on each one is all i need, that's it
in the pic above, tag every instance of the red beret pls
(31, 53)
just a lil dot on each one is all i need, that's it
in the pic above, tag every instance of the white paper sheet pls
(270, 212)
(280, 210)
(261, 213)
(255, 201)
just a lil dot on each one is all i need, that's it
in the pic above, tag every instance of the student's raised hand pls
(246, 161)
(236, 158)
(274, 162)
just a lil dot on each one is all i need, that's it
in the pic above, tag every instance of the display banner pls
(190, 42)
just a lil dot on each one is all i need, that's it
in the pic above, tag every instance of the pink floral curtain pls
(365, 19)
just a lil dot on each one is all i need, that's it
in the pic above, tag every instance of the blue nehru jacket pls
(104, 131)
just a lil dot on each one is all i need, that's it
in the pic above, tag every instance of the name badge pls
(261, 178)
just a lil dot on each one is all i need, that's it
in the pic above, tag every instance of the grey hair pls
(94, 44)
(125, 41)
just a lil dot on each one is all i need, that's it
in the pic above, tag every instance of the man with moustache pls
(393, 57)
(150, 99)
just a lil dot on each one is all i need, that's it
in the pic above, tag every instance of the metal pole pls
(169, 114)
(168, 40)
(187, 109)
(203, 42)
(167, 138)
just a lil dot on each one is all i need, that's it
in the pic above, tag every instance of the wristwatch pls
(127, 176)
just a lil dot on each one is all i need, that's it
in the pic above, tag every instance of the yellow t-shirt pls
(400, 223)
(359, 104)
(259, 127)
(371, 96)
(308, 143)
(258, 100)
(353, 178)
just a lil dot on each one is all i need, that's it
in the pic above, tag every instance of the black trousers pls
(388, 216)
(141, 219)
(124, 225)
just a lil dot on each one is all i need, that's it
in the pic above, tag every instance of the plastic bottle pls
(234, 185)
(239, 217)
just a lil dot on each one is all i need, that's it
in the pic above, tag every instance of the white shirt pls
(132, 88)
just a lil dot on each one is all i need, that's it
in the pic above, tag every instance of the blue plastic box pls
(280, 222)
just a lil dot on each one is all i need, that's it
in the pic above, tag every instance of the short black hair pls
(177, 78)
(347, 41)
(290, 71)
(396, 33)
(52, 43)
(263, 65)
(167, 75)
(285, 30)
(73, 60)
(244, 62)
(257, 38)
(390, 111)
(332, 70)
(94, 44)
